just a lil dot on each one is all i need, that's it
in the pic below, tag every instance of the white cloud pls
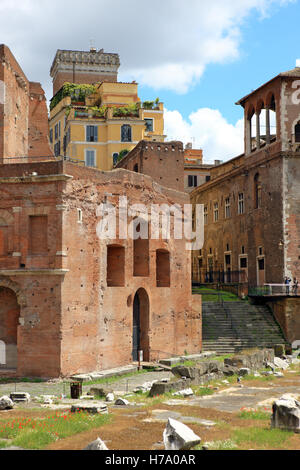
(164, 44)
(209, 130)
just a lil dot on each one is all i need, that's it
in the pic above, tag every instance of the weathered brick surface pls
(163, 161)
(23, 113)
(72, 322)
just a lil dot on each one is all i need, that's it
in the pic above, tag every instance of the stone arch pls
(9, 325)
(9, 284)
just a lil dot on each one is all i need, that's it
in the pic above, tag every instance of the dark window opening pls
(192, 181)
(126, 133)
(141, 256)
(243, 262)
(149, 125)
(297, 132)
(115, 266)
(261, 264)
(163, 268)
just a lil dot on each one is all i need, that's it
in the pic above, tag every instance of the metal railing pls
(274, 290)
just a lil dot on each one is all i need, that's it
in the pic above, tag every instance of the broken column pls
(178, 436)
(286, 414)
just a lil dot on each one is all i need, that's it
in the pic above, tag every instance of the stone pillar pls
(257, 130)
(268, 133)
(247, 136)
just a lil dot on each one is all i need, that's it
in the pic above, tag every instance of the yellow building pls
(95, 123)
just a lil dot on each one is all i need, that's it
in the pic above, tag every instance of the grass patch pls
(202, 391)
(215, 295)
(261, 438)
(116, 378)
(38, 433)
(254, 414)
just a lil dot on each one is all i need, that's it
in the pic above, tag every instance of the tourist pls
(287, 281)
(295, 286)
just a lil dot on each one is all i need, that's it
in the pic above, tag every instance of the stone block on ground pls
(244, 371)
(178, 436)
(188, 392)
(281, 363)
(100, 391)
(95, 408)
(230, 370)
(159, 388)
(286, 414)
(279, 350)
(98, 444)
(110, 397)
(6, 403)
(20, 397)
(121, 402)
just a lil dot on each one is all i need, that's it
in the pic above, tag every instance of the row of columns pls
(258, 134)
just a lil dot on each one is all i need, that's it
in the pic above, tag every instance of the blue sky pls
(269, 46)
(199, 56)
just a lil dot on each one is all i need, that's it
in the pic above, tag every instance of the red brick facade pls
(23, 113)
(163, 161)
(76, 293)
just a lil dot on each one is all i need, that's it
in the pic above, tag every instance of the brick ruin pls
(78, 303)
(24, 126)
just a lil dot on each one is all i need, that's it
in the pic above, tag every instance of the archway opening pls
(140, 329)
(9, 321)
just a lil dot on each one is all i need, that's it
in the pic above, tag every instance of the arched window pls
(126, 133)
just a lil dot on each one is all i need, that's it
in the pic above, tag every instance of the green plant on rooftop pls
(77, 93)
(125, 111)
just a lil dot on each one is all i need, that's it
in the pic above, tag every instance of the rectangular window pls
(241, 207)
(92, 133)
(51, 136)
(207, 178)
(227, 207)
(126, 133)
(59, 129)
(216, 211)
(243, 262)
(57, 149)
(90, 158)
(56, 131)
(38, 234)
(149, 125)
(192, 181)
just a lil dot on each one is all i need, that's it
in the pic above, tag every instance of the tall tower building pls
(83, 67)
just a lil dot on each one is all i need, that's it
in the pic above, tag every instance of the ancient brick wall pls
(70, 320)
(23, 113)
(163, 161)
(38, 136)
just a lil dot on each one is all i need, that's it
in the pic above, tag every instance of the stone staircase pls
(233, 326)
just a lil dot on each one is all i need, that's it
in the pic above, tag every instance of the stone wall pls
(71, 321)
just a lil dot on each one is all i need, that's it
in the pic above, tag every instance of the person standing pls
(287, 281)
(295, 286)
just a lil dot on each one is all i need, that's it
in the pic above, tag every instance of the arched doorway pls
(9, 321)
(140, 327)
